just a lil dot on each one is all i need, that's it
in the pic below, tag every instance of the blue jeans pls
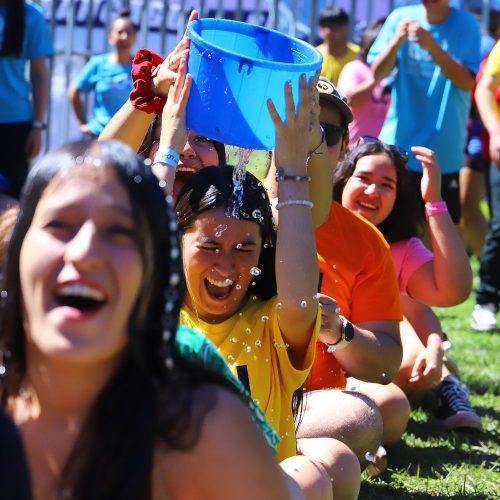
(489, 270)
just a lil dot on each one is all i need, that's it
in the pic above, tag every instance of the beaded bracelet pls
(435, 207)
(168, 156)
(306, 203)
(280, 176)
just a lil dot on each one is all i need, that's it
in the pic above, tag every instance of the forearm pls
(422, 319)
(40, 87)
(128, 125)
(76, 103)
(362, 93)
(452, 271)
(296, 262)
(455, 71)
(385, 62)
(487, 104)
(373, 355)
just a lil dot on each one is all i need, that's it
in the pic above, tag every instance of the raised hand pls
(431, 177)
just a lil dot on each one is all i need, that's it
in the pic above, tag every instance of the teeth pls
(186, 169)
(80, 290)
(221, 284)
(368, 205)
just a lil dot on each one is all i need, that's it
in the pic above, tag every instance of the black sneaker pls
(455, 410)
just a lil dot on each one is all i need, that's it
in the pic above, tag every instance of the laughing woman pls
(96, 375)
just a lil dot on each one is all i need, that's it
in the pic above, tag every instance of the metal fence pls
(79, 29)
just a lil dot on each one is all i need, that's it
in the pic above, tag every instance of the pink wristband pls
(435, 207)
(434, 340)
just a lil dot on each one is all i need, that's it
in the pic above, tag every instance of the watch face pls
(348, 331)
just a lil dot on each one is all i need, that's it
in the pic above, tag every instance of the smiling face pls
(218, 254)
(198, 152)
(371, 190)
(80, 267)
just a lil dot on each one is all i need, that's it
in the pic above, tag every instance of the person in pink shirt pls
(368, 99)
(373, 182)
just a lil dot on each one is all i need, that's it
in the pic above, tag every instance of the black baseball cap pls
(328, 91)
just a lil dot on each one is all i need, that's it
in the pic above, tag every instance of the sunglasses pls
(367, 139)
(333, 133)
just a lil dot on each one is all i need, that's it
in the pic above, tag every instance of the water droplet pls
(162, 184)
(137, 179)
(230, 358)
(174, 253)
(264, 318)
(258, 343)
(227, 282)
(220, 229)
(237, 286)
(3, 294)
(287, 346)
(217, 250)
(233, 340)
(175, 279)
(265, 245)
(253, 283)
(255, 271)
(370, 457)
(334, 266)
(303, 304)
(371, 411)
(238, 246)
(331, 348)
(248, 348)
(335, 281)
(276, 345)
(2, 370)
(254, 297)
(383, 374)
(248, 331)
(256, 214)
(279, 305)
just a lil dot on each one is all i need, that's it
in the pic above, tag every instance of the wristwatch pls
(39, 124)
(346, 334)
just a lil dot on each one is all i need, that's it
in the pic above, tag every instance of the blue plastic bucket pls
(236, 67)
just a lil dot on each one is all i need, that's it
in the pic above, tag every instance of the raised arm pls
(386, 60)
(318, 168)
(452, 69)
(296, 261)
(447, 280)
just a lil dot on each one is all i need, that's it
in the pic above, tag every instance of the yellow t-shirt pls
(492, 66)
(252, 341)
(332, 66)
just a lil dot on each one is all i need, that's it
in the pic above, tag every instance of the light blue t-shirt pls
(111, 83)
(426, 108)
(15, 89)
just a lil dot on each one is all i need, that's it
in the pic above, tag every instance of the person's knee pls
(339, 461)
(395, 409)
(311, 477)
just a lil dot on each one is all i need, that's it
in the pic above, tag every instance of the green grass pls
(432, 463)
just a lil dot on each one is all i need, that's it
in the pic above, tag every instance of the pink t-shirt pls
(408, 256)
(370, 116)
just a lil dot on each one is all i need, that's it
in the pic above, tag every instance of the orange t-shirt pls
(356, 270)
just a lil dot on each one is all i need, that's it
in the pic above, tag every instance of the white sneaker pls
(484, 318)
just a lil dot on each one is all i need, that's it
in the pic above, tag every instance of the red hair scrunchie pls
(142, 96)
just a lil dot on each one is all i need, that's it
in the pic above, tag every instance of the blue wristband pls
(168, 156)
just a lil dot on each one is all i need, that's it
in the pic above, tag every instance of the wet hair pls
(369, 36)
(406, 218)
(147, 143)
(211, 188)
(333, 16)
(13, 35)
(147, 399)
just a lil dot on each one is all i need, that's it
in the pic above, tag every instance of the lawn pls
(431, 463)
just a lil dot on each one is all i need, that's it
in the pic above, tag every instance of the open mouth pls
(85, 298)
(219, 289)
(367, 206)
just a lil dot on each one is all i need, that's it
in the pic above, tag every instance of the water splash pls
(255, 271)
(239, 174)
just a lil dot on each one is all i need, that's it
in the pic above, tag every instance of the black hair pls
(406, 218)
(213, 187)
(147, 143)
(14, 28)
(333, 16)
(369, 36)
(147, 399)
